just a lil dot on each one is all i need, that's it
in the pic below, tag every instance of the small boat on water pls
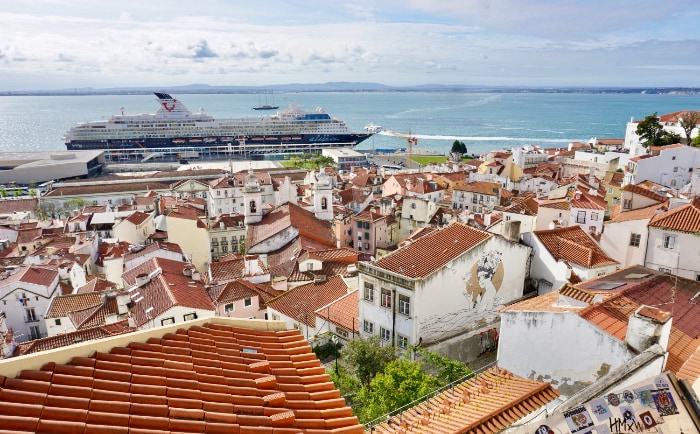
(374, 129)
(266, 106)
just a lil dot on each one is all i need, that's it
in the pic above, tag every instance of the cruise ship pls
(174, 128)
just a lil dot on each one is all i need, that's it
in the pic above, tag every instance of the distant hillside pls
(343, 86)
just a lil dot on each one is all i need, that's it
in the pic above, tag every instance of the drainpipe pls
(393, 318)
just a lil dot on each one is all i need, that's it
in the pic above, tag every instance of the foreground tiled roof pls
(213, 377)
(487, 403)
(573, 245)
(431, 252)
(685, 218)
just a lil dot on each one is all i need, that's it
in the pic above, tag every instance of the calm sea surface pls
(483, 121)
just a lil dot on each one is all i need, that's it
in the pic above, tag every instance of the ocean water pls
(484, 121)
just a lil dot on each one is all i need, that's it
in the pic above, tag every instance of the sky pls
(57, 44)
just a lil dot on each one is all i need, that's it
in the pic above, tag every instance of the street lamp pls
(334, 339)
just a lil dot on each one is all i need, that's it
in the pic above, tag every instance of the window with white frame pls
(341, 332)
(404, 305)
(386, 298)
(581, 217)
(189, 316)
(368, 327)
(627, 204)
(248, 302)
(594, 216)
(369, 292)
(385, 334)
(669, 242)
(402, 341)
(635, 240)
(228, 307)
(167, 321)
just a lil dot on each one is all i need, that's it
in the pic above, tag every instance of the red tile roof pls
(343, 312)
(639, 213)
(62, 304)
(432, 251)
(235, 269)
(292, 215)
(302, 301)
(572, 244)
(71, 338)
(241, 289)
(685, 218)
(487, 403)
(643, 191)
(213, 378)
(137, 217)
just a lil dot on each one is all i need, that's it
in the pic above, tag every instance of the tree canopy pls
(689, 121)
(652, 133)
(459, 147)
(367, 357)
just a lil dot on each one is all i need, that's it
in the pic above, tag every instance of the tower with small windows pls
(323, 197)
(252, 198)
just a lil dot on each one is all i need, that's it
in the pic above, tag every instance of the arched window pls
(253, 206)
(324, 203)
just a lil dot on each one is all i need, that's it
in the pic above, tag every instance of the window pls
(413, 205)
(594, 216)
(341, 332)
(324, 203)
(359, 225)
(367, 235)
(366, 225)
(386, 298)
(31, 315)
(665, 270)
(167, 321)
(34, 332)
(189, 316)
(58, 321)
(369, 292)
(310, 266)
(247, 302)
(368, 327)
(581, 217)
(385, 334)
(669, 242)
(228, 308)
(627, 204)
(635, 240)
(402, 341)
(610, 190)
(253, 206)
(675, 169)
(366, 246)
(275, 317)
(404, 305)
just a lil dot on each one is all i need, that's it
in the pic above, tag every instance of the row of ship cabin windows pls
(385, 334)
(386, 298)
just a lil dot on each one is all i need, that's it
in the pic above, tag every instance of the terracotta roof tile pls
(343, 312)
(137, 217)
(487, 403)
(302, 301)
(62, 304)
(66, 339)
(643, 191)
(432, 251)
(572, 244)
(639, 213)
(685, 218)
(292, 215)
(208, 378)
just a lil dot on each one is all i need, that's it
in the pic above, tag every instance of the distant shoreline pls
(352, 88)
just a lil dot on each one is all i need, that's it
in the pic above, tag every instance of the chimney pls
(648, 326)
(123, 300)
(142, 279)
(512, 231)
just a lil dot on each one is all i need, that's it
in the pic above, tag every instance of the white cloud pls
(500, 42)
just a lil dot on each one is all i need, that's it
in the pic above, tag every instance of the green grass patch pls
(286, 164)
(427, 159)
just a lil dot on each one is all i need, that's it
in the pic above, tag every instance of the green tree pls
(689, 121)
(652, 133)
(401, 383)
(3, 192)
(695, 142)
(322, 161)
(73, 204)
(18, 192)
(443, 368)
(367, 357)
(459, 147)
